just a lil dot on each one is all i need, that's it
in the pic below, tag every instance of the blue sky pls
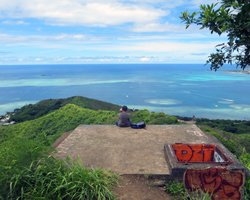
(101, 31)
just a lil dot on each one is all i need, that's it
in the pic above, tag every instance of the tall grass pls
(49, 178)
(27, 142)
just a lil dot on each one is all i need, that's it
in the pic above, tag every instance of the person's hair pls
(124, 108)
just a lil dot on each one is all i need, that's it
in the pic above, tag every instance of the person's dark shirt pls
(124, 119)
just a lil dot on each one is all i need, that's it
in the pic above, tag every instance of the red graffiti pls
(194, 152)
(220, 183)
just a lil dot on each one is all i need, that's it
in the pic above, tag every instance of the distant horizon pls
(107, 64)
(225, 67)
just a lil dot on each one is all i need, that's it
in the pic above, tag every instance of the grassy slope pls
(44, 107)
(50, 126)
(22, 143)
(236, 133)
(40, 133)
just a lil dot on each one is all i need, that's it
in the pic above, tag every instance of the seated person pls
(124, 117)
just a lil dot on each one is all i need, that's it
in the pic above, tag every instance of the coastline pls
(237, 71)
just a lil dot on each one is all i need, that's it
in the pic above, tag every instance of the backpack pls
(138, 125)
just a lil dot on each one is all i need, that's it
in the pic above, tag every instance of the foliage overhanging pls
(231, 17)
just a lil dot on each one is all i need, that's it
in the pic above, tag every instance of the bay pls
(177, 89)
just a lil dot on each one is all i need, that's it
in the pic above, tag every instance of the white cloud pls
(164, 3)
(156, 27)
(175, 36)
(199, 2)
(28, 39)
(14, 22)
(145, 59)
(80, 59)
(164, 47)
(146, 32)
(78, 12)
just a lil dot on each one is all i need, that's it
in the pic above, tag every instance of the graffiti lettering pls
(194, 152)
(220, 183)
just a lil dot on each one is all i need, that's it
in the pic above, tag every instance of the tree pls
(231, 17)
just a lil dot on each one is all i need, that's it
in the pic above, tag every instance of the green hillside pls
(25, 168)
(67, 118)
(25, 171)
(33, 111)
(235, 132)
(50, 126)
(23, 145)
(45, 130)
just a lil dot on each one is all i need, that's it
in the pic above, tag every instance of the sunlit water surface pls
(185, 90)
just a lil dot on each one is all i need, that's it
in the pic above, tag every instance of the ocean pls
(176, 89)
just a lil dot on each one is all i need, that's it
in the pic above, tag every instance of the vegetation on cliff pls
(235, 132)
(23, 160)
(27, 173)
(33, 111)
(235, 135)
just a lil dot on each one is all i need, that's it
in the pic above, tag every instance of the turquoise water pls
(185, 90)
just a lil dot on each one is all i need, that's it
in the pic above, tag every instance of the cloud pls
(200, 54)
(163, 3)
(5, 52)
(14, 22)
(78, 12)
(28, 39)
(190, 34)
(96, 31)
(146, 59)
(157, 27)
(164, 47)
(79, 59)
(197, 3)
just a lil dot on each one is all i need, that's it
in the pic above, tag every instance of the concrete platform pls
(126, 150)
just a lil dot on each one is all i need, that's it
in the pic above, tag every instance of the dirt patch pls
(132, 187)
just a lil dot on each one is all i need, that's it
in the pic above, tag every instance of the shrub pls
(245, 159)
(247, 189)
(178, 191)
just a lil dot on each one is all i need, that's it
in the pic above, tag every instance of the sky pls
(101, 31)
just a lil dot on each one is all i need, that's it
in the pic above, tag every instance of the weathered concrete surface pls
(126, 150)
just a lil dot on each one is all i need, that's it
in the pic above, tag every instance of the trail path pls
(139, 188)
